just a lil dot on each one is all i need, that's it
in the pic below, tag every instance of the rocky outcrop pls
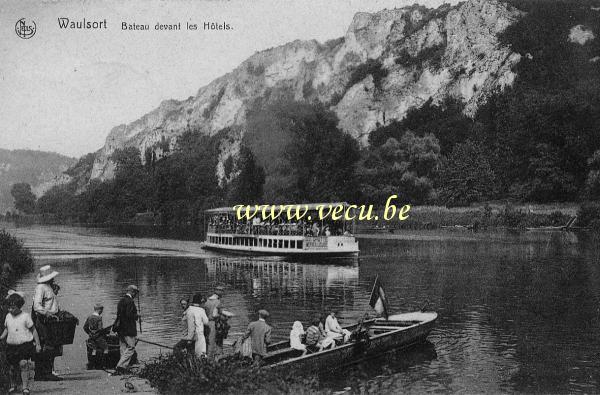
(418, 54)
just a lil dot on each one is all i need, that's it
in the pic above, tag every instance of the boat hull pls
(378, 344)
(283, 245)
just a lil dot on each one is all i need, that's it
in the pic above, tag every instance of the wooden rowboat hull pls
(412, 328)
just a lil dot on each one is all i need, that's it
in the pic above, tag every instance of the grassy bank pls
(15, 260)
(489, 215)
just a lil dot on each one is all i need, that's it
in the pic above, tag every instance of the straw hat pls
(98, 306)
(46, 274)
(262, 313)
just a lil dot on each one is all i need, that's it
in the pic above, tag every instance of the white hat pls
(12, 291)
(46, 274)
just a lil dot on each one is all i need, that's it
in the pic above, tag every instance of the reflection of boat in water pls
(263, 275)
(311, 238)
(396, 332)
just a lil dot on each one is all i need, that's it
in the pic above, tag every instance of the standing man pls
(213, 310)
(260, 334)
(45, 308)
(125, 326)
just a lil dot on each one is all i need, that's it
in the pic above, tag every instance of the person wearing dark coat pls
(260, 335)
(126, 327)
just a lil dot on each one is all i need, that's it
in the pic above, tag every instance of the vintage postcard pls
(262, 196)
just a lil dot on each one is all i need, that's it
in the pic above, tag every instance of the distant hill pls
(40, 169)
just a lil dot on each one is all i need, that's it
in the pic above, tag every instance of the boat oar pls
(155, 344)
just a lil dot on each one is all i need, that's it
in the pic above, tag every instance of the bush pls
(18, 258)
(371, 66)
(432, 55)
(190, 375)
(589, 215)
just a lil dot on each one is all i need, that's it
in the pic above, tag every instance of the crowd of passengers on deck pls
(225, 224)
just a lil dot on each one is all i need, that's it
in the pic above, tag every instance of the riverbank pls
(484, 216)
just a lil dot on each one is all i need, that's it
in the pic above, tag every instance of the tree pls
(466, 176)
(24, 198)
(247, 185)
(304, 155)
(405, 167)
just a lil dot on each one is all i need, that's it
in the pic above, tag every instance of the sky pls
(64, 90)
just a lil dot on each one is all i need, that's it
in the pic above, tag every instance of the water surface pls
(517, 312)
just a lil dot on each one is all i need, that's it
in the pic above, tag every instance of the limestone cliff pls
(414, 53)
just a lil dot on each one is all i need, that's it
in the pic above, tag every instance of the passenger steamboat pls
(308, 237)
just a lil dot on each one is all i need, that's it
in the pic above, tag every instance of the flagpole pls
(375, 284)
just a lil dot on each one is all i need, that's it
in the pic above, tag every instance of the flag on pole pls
(378, 300)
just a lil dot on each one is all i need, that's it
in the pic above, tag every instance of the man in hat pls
(125, 327)
(260, 335)
(45, 306)
(213, 310)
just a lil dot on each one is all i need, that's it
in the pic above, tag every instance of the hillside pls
(40, 169)
(387, 63)
(484, 101)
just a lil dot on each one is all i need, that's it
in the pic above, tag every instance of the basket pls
(63, 331)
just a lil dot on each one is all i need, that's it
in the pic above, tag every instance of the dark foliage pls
(589, 215)
(24, 198)
(247, 185)
(371, 67)
(255, 70)
(466, 176)
(404, 167)
(592, 182)
(445, 121)
(429, 56)
(190, 375)
(176, 188)
(208, 111)
(304, 155)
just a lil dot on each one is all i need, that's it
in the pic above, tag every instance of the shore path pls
(93, 382)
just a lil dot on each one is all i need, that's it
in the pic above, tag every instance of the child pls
(22, 342)
(94, 328)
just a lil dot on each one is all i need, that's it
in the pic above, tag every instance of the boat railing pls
(273, 230)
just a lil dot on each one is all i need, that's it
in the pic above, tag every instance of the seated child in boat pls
(95, 330)
(315, 340)
(296, 335)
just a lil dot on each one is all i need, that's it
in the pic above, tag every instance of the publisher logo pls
(25, 28)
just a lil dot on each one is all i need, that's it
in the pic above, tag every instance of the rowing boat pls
(394, 333)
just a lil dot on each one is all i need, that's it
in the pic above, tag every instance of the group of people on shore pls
(30, 347)
(205, 325)
(30, 351)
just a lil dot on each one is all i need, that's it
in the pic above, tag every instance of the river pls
(517, 312)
